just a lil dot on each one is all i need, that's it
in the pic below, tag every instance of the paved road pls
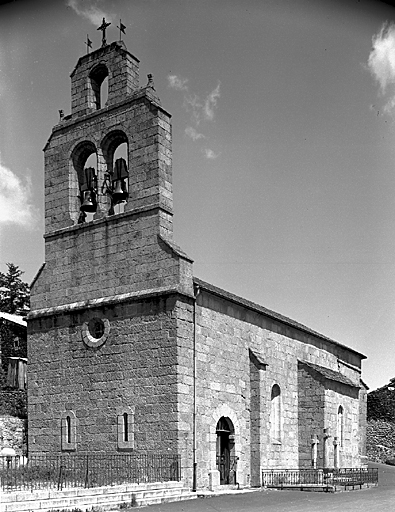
(380, 499)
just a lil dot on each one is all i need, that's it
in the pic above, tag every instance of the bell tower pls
(98, 217)
(102, 330)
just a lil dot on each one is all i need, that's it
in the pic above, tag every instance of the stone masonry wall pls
(256, 419)
(136, 368)
(13, 434)
(184, 313)
(380, 440)
(363, 422)
(319, 401)
(351, 451)
(113, 257)
(226, 332)
(311, 415)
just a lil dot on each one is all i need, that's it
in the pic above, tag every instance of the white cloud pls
(389, 106)
(177, 83)
(381, 62)
(210, 103)
(200, 110)
(90, 10)
(192, 104)
(193, 133)
(16, 200)
(210, 154)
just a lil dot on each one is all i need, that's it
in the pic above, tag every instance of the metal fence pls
(280, 478)
(74, 470)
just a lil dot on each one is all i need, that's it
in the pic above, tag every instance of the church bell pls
(89, 203)
(120, 190)
(120, 194)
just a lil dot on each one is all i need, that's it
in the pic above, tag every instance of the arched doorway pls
(226, 460)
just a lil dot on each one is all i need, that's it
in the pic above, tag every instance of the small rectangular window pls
(68, 431)
(126, 429)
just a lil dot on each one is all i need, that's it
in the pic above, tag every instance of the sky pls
(283, 117)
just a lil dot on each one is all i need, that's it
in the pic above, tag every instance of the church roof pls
(15, 319)
(330, 374)
(269, 313)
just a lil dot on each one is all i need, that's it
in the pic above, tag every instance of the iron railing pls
(47, 471)
(280, 478)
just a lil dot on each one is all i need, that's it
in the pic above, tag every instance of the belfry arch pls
(98, 86)
(83, 155)
(115, 150)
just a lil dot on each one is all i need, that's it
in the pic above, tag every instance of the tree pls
(14, 293)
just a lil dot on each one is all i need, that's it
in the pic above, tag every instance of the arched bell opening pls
(84, 162)
(104, 92)
(225, 451)
(116, 183)
(98, 82)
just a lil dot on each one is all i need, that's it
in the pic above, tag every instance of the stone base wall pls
(115, 497)
(380, 440)
(13, 434)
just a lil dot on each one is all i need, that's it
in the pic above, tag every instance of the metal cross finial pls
(122, 29)
(88, 43)
(103, 27)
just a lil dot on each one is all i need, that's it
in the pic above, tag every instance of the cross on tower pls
(103, 27)
(88, 43)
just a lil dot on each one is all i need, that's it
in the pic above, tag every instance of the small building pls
(13, 345)
(128, 351)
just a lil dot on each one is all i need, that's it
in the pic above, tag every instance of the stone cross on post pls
(103, 27)
(314, 451)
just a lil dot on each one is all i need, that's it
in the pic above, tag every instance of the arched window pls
(125, 428)
(98, 86)
(68, 431)
(340, 425)
(275, 414)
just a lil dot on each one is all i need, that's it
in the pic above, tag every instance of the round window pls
(96, 328)
(95, 332)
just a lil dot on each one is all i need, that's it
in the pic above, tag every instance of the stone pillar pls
(314, 451)
(335, 453)
(326, 448)
(213, 480)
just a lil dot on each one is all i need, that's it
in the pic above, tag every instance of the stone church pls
(128, 351)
